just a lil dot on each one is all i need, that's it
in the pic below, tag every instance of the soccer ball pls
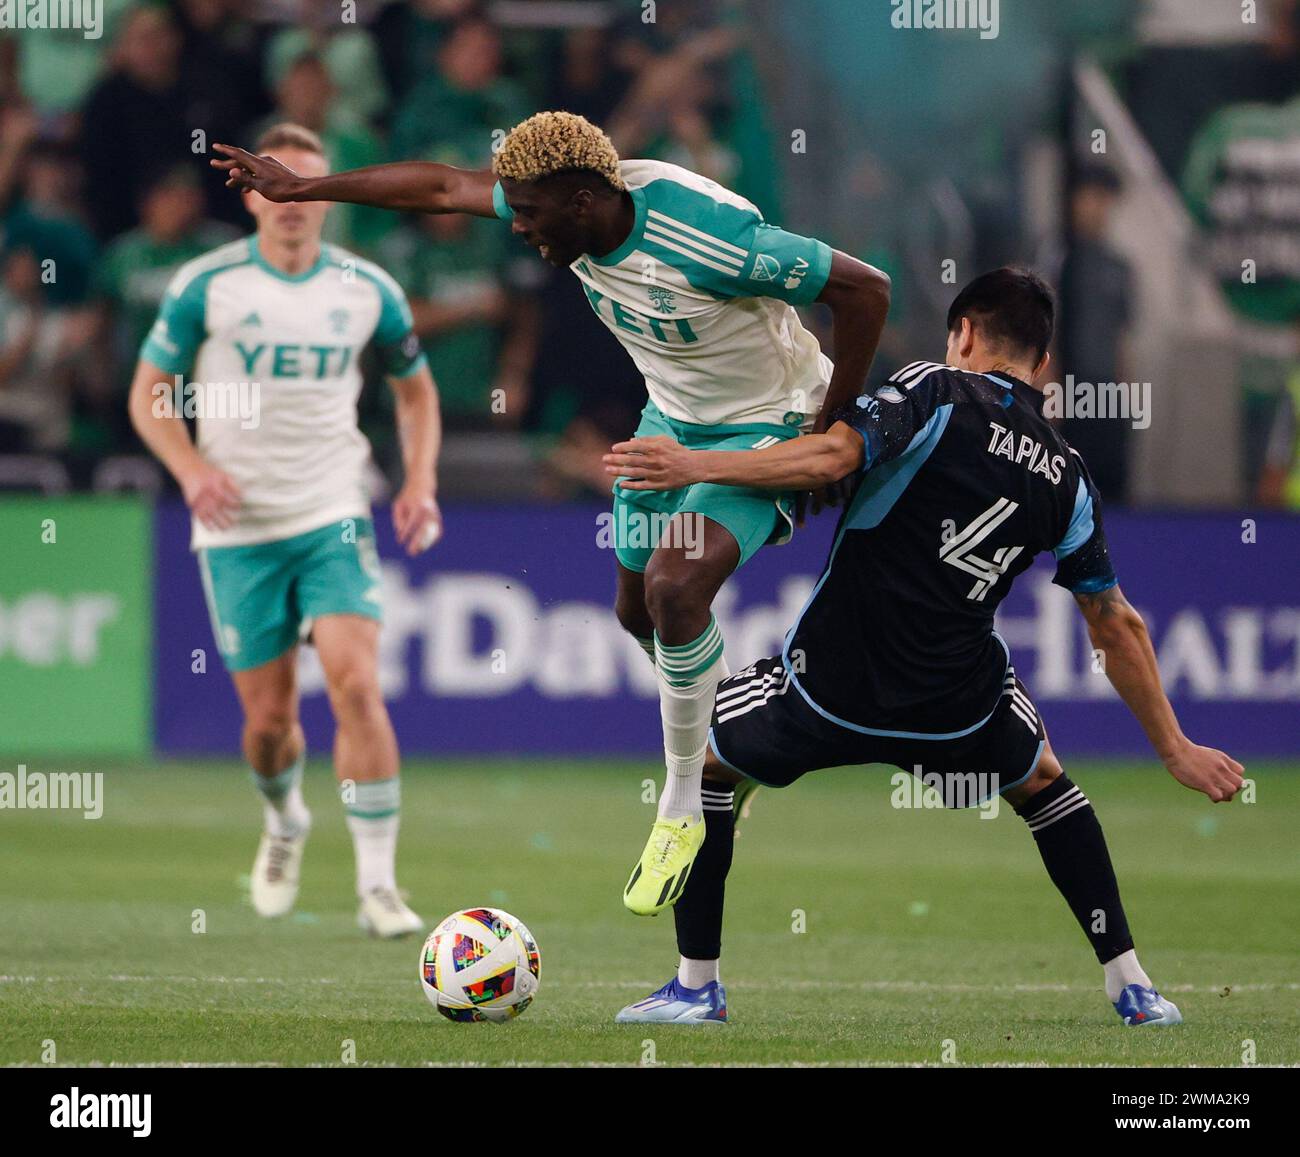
(480, 964)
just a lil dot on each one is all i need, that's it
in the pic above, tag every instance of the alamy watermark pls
(81, 791)
(629, 529)
(957, 789)
(1127, 401)
(227, 401)
(87, 16)
(981, 15)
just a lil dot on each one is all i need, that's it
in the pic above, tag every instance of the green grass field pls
(921, 926)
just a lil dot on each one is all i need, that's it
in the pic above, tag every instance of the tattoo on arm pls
(1103, 605)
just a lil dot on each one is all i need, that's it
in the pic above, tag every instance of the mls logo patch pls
(766, 268)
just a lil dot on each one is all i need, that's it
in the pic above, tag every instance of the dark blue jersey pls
(964, 483)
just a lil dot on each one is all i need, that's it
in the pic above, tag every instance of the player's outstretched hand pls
(212, 496)
(264, 175)
(655, 463)
(1206, 770)
(417, 521)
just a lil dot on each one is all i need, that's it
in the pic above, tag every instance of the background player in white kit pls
(281, 519)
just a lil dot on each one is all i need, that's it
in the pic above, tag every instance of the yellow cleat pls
(657, 881)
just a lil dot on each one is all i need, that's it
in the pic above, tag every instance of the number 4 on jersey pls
(957, 550)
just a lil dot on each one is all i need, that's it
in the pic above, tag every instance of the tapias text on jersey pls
(1025, 450)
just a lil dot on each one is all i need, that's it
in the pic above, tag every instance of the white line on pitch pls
(861, 985)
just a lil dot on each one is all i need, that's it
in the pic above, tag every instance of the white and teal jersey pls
(273, 363)
(701, 295)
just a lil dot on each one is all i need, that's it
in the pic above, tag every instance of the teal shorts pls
(753, 517)
(261, 597)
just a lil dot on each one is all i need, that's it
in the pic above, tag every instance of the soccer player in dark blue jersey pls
(960, 482)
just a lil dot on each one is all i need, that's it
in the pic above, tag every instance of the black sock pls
(1074, 852)
(698, 912)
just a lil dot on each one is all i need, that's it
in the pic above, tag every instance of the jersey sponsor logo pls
(675, 332)
(797, 274)
(957, 551)
(295, 361)
(766, 268)
(1025, 450)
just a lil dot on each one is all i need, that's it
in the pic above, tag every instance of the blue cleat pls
(1137, 1006)
(676, 1004)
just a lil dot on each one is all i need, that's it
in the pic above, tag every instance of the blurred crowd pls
(105, 191)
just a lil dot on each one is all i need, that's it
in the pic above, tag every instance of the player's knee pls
(632, 615)
(717, 772)
(354, 693)
(1048, 769)
(268, 724)
(672, 593)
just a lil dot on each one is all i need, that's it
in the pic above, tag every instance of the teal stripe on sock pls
(690, 653)
(683, 665)
(275, 787)
(376, 798)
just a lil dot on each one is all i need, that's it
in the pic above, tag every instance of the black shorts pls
(766, 730)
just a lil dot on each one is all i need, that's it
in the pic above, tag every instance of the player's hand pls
(655, 463)
(212, 496)
(1206, 770)
(417, 521)
(263, 175)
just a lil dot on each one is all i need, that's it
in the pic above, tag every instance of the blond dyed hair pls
(289, 136)
(556, 142)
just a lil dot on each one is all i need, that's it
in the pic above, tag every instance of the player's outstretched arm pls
(1118, 632)
(806, 463)
(417, 521)
(408, 186)
(209, 492)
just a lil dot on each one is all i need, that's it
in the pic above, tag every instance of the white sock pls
(688, 680)
(696, 973)
(284, 812)
(1123, 971)
(373, 817)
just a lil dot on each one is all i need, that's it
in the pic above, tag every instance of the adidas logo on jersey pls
(1027, 452)
(252, 319)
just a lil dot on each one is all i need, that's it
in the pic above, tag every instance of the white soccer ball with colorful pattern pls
(480, 964)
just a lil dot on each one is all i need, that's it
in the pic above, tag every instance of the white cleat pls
(275, 873)
(384, 914)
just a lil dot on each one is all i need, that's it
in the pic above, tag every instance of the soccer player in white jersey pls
(268, 332)
(699, 289)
